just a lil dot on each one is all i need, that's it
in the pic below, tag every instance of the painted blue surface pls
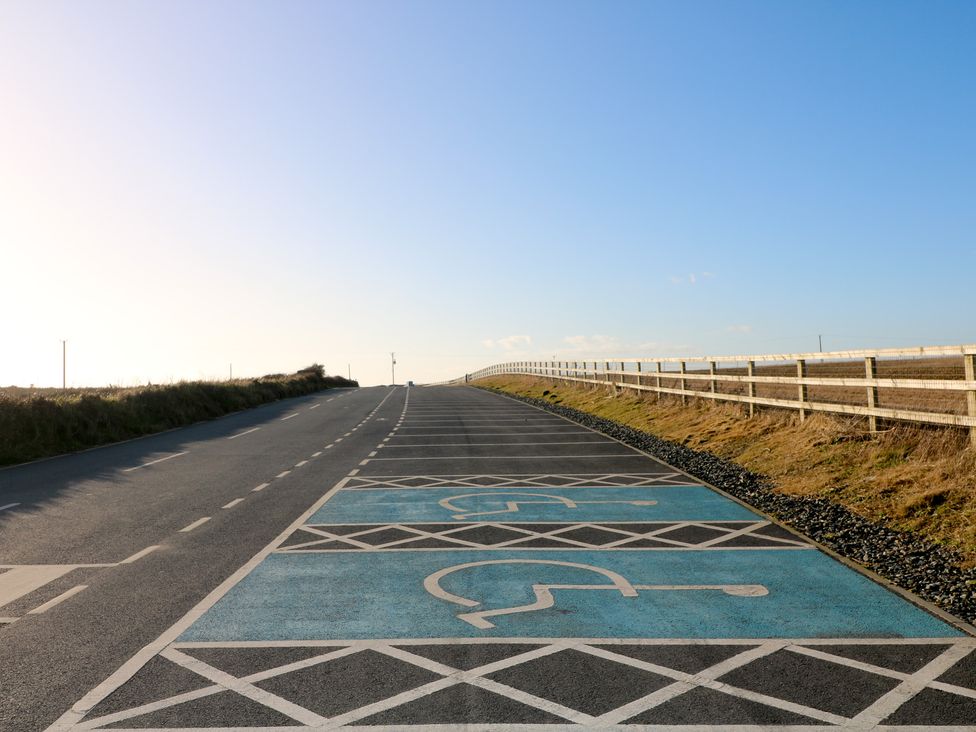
(381, 595)
(413, 505)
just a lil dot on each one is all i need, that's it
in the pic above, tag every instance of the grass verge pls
(34, 426)
(910, 478)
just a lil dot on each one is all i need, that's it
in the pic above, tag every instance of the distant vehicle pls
(409, 383)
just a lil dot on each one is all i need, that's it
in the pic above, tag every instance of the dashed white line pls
(364, 462)
(195, 524)
(330, 446)
(9, 505)
(153, 462)
(282, 474)
(57, 600)
(294, 414)
(260, 487)
(346, 435)
(241, 434)
(372, 454)
(233, 503)
(314, 406)
(316, 454)
(300, 463)
(140, 554)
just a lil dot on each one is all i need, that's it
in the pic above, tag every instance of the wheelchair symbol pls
(513, 506)
(543, 592)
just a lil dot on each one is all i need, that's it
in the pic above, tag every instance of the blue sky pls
(184, 184)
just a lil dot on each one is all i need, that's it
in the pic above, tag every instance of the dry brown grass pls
(917, 478)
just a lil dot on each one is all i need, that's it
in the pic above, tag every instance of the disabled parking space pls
(558, 594)
(530, 503)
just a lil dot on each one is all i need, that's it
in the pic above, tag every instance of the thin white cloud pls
(739, 328)
(692, 278)
(508, 343)
(592, 344)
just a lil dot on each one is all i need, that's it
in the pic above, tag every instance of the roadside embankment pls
(36, 426)
(901, 502)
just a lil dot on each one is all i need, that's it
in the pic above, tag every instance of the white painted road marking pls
(233, 503)
(57, 600)
(241, 434)
(260, 487)
(153, 462)
(140, 554)
(315, 406)
(282, 474)
(22, 580)
(9, 505)
(293, 414)
(300, 463)
(198, 522)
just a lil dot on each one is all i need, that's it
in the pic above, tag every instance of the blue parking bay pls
(559, 594)
(529, 504)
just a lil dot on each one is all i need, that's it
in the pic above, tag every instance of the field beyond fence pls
(927, 385)
(36, 424)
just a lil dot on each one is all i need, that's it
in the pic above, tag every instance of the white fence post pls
(969, 363)
(871, 372)
(801, 373)
(684, 397)
(751, 371)
(711, 370)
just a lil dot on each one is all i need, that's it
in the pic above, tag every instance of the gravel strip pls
(930, 571)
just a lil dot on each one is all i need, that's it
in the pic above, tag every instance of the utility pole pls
(393, 367)
(349, 371)
(64, 364)
(820, 338)
(232, 372)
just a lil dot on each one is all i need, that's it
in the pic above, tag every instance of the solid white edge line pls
(80, 708)
(57, 600)
(195, 524)
(9, 505)
(140, 554)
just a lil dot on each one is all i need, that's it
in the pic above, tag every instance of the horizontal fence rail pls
(927, 385)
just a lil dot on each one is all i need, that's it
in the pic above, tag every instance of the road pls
(436, 558)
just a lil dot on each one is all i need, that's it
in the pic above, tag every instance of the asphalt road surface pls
(436, 558)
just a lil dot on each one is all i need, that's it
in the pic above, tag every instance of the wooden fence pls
(927, 385)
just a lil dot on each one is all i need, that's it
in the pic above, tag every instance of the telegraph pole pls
(64, 364)
(393, 367)
(349, 371)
